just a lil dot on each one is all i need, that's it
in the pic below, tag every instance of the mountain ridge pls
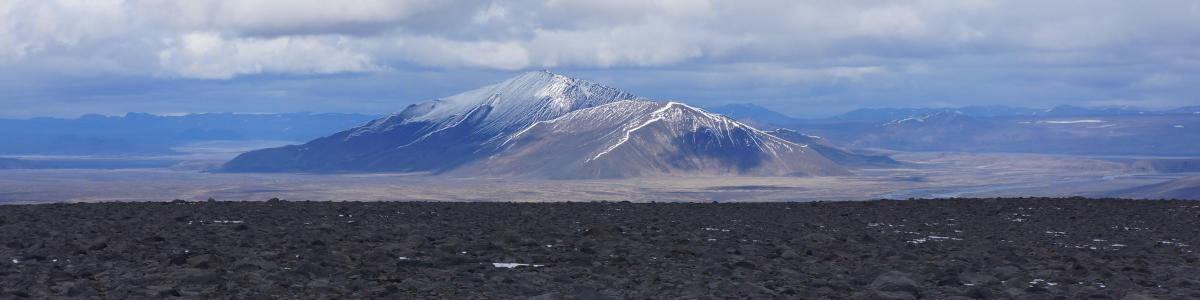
(754, 114)
(513, 127)
(641, 138)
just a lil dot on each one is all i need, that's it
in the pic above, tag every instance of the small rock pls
(197, 276)
(895, 281)
(98, 245)
(881, 295)
(976, 278)
(789, 254)
(745, 265)
(202, 261)
(546, 296)
(1137, 297)
(169, 293)
(1006, 272)
(1183, 283)
(179, 259)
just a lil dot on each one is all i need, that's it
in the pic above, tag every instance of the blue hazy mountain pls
(757, 115)
(546, 125)
(838, 154)
(140, 133)
(1195, 110)
(1063, 130)
(888, 114)
(12, 163)
(995, 111)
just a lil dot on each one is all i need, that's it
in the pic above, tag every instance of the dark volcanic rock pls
(924, 249)
(895, 282)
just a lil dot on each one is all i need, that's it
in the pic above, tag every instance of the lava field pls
(917, 249)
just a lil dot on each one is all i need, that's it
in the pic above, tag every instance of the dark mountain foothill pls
(919, 249)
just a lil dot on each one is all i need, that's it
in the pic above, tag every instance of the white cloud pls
(31, 27)
(209, 56)
(228, 38)
(431, 51)
(619, 46)
(284, 17)
(889, 21)
(855, 73)
(1158, 80)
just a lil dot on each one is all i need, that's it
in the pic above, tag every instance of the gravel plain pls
(1044, 248)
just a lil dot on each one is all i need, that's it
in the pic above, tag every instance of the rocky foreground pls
(935, 249)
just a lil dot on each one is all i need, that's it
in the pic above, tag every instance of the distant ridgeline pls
(1059, 130)
(139, 133)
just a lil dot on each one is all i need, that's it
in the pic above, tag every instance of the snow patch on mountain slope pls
(635, 138)
(785, 130)
(679, 118)
(923, 118)
(630, 131)
(513, 104)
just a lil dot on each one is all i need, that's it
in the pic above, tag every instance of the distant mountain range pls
(1060, 130)
(139, 133)
(1182, 188)
(754, 114)
(835, 153)
(12, 163)
(542, 124)
(546, 125)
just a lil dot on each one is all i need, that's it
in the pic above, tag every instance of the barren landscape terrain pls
(930, 249)
(922, 175)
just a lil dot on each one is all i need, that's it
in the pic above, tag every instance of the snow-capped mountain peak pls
(507, 106)
(548, 125)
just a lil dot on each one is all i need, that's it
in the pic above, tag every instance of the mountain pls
(12, 163)
(1076, 111)
(642, 138)
(926, 131)
(940, 119)
(546, 125)
(1110, 133)
(1192, 110)
(1166, 165)
(1183, 188)
(140, 133)
(880, 114)
(888, 114)
(753, 114)
(998, 111)
(836, 154)
(437, 135)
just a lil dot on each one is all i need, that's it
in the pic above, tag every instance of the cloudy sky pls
(805, 58)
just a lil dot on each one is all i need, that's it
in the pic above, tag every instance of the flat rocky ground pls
(926, 249)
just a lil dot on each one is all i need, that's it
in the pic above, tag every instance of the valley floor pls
(932, 249)
(923, 175)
